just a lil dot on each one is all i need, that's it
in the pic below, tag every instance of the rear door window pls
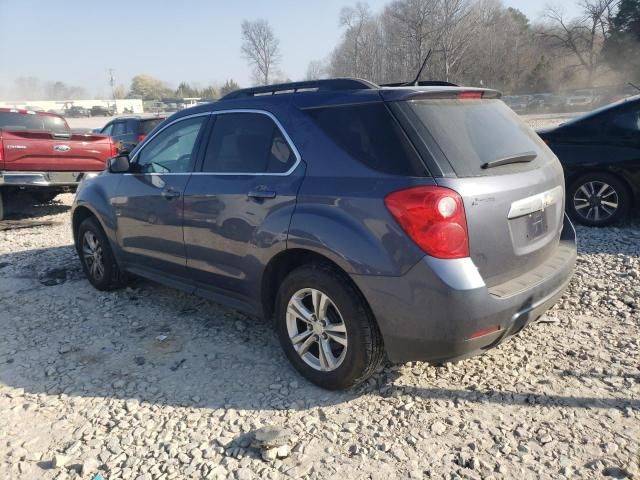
(473, 132)
(370, 134)
(249, 143)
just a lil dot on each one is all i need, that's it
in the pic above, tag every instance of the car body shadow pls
(152, 344)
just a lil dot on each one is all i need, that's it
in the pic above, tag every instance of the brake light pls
(140, 138)
(470, 95)
(1, 151)
(114, 150)
(434, 219)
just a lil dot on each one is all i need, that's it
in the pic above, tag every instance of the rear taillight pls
(469, 95)
(434, 218)
(140, 138)
(114, 150)
(1, 151)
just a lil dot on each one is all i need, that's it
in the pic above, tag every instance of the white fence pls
(129, 105)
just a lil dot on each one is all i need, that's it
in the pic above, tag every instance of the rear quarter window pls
(473, 132)
(370, 134)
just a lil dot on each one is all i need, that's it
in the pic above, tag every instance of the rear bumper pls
(42, 179)
(441, 310)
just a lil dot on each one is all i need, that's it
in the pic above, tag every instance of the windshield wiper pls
(524, 157)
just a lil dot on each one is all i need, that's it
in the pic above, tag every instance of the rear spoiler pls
(435, 93)
(422, 83)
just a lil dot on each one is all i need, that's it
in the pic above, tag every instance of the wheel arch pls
(284, 263)
(80, 214)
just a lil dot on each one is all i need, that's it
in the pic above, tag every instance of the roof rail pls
(332, 84)
(422, 83)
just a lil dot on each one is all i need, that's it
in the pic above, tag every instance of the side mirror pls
(119, 164)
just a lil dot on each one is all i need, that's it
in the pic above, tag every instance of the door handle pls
(170, 194)
(261, 194)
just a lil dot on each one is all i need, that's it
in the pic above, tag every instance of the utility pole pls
(112, 83)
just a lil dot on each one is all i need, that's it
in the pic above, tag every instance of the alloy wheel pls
(316, 329)
(596, 201)
(92, 254)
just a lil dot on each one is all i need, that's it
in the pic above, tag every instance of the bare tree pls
(583, 37)
(316, 70)
(354, 20)
(261, 48)
(457, 24)
(409, 29)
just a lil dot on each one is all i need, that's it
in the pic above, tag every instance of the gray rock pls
(438, 428)
(271, 437)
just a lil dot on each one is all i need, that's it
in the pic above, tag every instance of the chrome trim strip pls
(536, 202)
(42, 179)
(223, 112)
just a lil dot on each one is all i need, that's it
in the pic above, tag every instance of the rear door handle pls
(170, 194)
(261, 194)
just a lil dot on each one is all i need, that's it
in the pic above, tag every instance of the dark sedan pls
(600, 153)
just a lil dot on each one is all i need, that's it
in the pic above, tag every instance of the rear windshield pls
(147, 125)
(473, 132)
(370, 134)
(30, 121)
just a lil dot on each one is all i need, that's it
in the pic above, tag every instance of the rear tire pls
(345, 330)
(97, 259)
(597, 200)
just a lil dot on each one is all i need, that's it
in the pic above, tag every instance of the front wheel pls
(96, 256)
(326, 329)
(597, 200)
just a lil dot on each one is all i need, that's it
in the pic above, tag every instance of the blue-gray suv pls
(412, 222)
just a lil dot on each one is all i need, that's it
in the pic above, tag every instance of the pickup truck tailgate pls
(26, 150)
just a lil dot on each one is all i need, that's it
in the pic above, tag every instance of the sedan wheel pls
(596, 201)
(316, 329)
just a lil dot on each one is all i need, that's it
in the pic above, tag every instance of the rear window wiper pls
(524, 157)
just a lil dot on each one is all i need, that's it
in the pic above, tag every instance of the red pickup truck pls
(40, 155)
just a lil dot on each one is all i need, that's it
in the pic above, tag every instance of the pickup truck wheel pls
(326, 329)
(96, 256)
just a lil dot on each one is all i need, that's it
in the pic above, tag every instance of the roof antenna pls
(634, 86)
(416, 81)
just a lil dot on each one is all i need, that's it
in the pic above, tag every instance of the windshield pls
(471, 133)
(30, 121)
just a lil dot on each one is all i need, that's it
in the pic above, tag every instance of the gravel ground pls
(150, 383)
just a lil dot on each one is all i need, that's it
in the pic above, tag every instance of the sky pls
(197, 41)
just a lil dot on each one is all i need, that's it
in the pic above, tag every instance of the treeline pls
(147, 87)
(142, 86)
(482, 42)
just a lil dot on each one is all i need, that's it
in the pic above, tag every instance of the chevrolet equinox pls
(414, 222)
